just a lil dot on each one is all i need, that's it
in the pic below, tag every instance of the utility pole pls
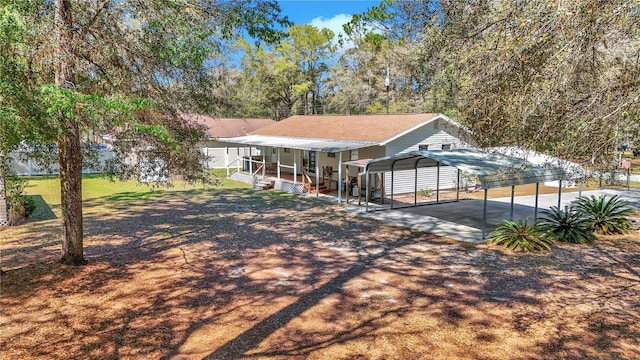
(386, 83)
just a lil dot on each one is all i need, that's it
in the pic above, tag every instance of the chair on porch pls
(327, 177)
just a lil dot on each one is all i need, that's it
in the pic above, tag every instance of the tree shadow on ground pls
(243, 274)
(42, 210)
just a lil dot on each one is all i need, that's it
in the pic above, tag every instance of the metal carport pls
(491, 168)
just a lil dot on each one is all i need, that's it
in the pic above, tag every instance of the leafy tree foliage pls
(103, 57)
(286, 77)
(21, 118)
(558, 77)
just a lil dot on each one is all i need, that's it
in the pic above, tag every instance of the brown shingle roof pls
(228, 127)
(375, 128)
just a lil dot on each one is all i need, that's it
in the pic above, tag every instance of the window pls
(312, 160)
(287, 150)
(423, 147)
(331, 154)
(446, 146)
(274, 151)
(354, 155)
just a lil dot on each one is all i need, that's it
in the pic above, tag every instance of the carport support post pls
(438, 182)
(366, 194)
(415, 187)
(347, 183)
(559, 193)
(484, 215)
(513, 192)
(580, 188)
(458, 185)
(392, 186)
(535, 208)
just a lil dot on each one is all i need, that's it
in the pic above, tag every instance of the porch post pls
(264, 162)
(295, 167)
(226, 159)
(278, 155)
(239, 159)
(339, 177)
(317, 174)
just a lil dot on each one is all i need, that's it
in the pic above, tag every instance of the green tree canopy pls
(127, 69)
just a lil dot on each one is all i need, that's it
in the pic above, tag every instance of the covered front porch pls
(311, 166)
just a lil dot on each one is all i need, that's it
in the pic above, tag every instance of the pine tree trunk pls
(69, 147)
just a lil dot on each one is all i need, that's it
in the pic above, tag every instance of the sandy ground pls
(242, 275)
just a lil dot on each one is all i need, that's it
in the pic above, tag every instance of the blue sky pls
(324, 13)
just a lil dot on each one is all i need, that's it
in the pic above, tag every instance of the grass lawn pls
(237, 274)
(95, 186)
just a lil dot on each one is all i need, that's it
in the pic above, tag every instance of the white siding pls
(434, 135)
(220, 155)
(405, 181)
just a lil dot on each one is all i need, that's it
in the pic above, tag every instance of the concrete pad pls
(463, 220)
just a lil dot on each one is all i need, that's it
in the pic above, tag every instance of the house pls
(221, 155)
(327, 149)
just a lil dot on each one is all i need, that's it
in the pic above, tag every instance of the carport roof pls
(493, 169)
(324, 145)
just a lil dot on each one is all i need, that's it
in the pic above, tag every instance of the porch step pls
(321, 189)
(263, 185)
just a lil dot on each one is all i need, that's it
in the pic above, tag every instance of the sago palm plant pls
(569, 226)
(520, 235)
(606, 215)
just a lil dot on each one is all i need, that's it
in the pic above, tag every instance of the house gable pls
(433, 135)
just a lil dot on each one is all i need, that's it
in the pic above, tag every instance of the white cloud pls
(334, 24)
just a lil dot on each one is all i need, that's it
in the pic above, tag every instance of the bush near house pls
(601, 215)
(567, 226)
(18, 204)
(520, 235)
(606, 215)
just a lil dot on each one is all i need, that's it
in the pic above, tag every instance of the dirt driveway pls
(234, 274)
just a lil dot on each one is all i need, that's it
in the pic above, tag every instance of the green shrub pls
(568, 226)
(605, 215)
(426, 193)
(520, 235)
(19, 205)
